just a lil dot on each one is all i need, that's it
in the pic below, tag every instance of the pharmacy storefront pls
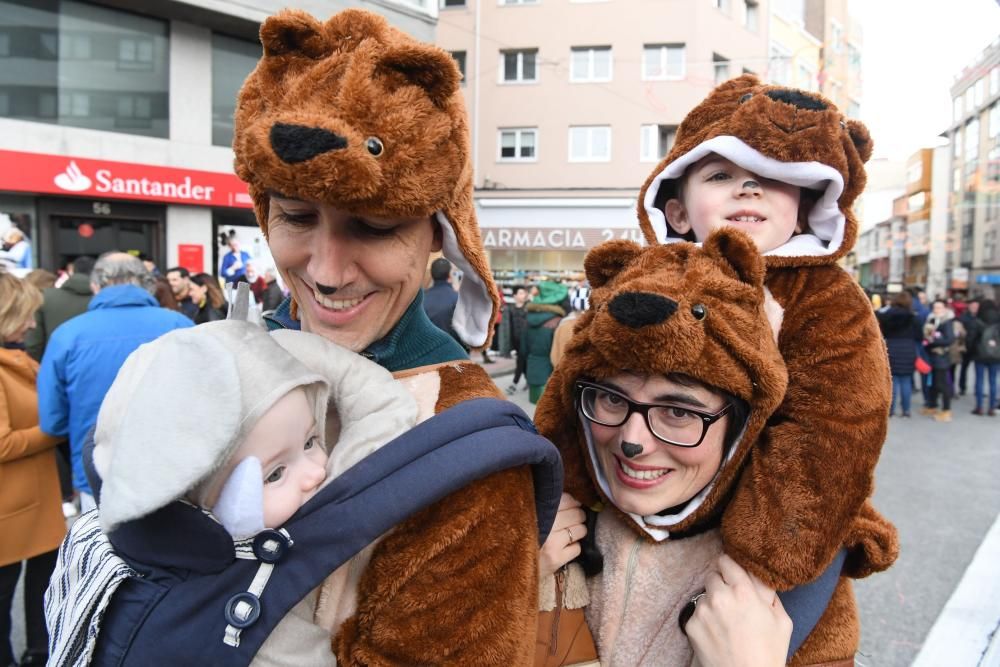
(528, 239)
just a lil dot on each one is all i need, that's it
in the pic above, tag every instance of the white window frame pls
(664, 50)
(590, 130)
(520, 80)
(751, 15)
(519, 133)
(836, 36)
(591, 52)
(649, 143)
(721, 62)
(779, 52)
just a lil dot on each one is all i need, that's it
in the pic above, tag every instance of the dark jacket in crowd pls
(272, 296)
(511, 329)
(940, 340)
(209, 314)
(902, 334)
(439, 304)
(59, 305)
(988, 314)
(536, 344)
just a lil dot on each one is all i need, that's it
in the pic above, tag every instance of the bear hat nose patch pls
(640, 309)
(298, 143)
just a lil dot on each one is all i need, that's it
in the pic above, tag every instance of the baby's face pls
(718, 193)
(293, 461)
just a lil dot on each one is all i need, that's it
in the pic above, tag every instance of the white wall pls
(940, 191)
(189, 224)
(190, 89)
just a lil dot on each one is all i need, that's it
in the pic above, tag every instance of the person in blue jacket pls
(84, 353)
(234, 262)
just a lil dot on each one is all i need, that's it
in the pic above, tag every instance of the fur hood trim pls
(826, 220)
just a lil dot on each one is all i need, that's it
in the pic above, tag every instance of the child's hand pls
(738, 621)
(563, 543)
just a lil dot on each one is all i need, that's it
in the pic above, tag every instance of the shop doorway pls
(71, 228)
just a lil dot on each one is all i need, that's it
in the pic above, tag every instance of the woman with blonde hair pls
(31, 517)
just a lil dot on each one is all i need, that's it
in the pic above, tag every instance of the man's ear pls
(677, 216)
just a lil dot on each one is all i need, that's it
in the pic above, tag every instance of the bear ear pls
(861, 138)
(430, 68)
(608, 259)
(735, 249)
(293, 31)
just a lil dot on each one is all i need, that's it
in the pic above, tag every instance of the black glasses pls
(674, 424)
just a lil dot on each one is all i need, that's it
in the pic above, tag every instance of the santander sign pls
(57, 174)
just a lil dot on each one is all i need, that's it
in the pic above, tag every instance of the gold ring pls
(570, 533)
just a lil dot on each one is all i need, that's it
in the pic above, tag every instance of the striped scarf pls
(86, 576)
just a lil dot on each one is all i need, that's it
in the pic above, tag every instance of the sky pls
(913, 50)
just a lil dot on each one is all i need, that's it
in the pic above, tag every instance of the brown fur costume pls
(806, 492)
(356, 114)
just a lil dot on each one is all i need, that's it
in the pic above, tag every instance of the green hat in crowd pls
(550, 292)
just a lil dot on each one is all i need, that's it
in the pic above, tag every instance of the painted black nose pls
(631, 449)
(298, 143)
(797, 99)
(639, 309)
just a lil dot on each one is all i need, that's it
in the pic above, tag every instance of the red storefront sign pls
(60, 174)
(191, 256)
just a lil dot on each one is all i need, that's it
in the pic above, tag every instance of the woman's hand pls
(562, 544)
(738, 621)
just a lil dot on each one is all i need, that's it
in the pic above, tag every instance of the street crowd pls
(711, 405)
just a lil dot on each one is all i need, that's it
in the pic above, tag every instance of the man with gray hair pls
(84, 353)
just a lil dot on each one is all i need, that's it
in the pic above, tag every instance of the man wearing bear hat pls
(353, 140)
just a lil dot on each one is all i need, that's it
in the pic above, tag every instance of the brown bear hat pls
(664, 309)
(787, 135)
(358, 115)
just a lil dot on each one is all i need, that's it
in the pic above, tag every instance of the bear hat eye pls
(745, 97)
(374, 146)
(699, 311)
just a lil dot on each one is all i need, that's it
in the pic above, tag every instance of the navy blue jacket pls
(902, 334)
(439, 303)
(176, 612)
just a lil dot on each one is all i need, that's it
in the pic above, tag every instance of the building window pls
(806, 78)
(956, 108)
(519, 66)
(995, 122)
(970, 99)
(979, 88)
(854, 59)
(232, 61)
(780, 65)
(752, 16)
(972, 140)
(916, 202)
(135, 53)
(590, 63)
(663, 61)
(721, 67)
(452, 3)
(518, 145)
(76, 60)
(836, 37)
(995, 80)
(914, 172)
(459, 57)
(655, 141)
(518, 2)
(590, 143)
(956, 179)
(722, 6)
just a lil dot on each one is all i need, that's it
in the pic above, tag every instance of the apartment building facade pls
(973, 228)
(574, 102)
(116, 122)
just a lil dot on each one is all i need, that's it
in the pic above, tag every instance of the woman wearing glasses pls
(655, 408)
